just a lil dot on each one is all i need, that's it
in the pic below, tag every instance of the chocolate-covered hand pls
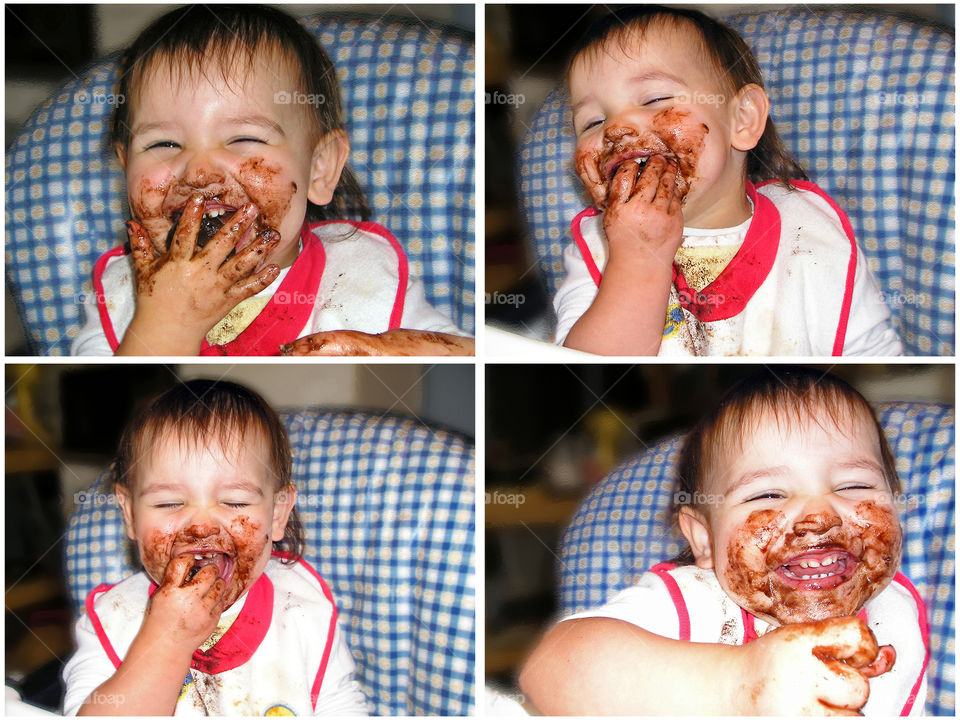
(392, 342)
(643, 221)
(185, 291)
(816, 668)
(186, 610)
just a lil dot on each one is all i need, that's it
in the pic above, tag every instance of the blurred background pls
(46, 45)
(553, 432)
(527, 50)
(63, 423)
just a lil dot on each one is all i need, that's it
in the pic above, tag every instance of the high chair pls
(387, 506)
(865, 102)
(626, 526)
(408, 91)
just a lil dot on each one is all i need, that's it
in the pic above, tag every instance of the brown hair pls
(731, 56)
(200, 411)
(789, 393)
(193, 38)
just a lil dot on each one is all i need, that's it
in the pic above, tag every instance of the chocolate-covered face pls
(807, 528)
(233, 141)
(217, 504)
(659, 96)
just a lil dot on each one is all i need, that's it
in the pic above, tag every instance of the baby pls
(239, 243)
(705, 238)
(224, 599)
(791, 602)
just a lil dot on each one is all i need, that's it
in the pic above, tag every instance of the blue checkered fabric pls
(409, 94)
(626, 526)
(866, 103)
(388, 511)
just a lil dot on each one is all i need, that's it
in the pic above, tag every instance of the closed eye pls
(248, 139)
(658, 99)
(162, 144)
(167, 505)
(766, 495)
(237, 504)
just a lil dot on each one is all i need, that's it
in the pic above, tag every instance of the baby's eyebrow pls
(141, 128)
(243, 485)
(258, 120)
(160, 488)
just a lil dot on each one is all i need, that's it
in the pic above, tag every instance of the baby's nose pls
(618, 131)
(201, 172)
(818, 522)
(201, 528)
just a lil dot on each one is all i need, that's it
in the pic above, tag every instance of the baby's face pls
(658, 97)
(232, 141)
(216, 504)
(807, 528)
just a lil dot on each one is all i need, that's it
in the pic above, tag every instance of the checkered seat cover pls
(408, 90)
(388, 511)
(866, 103)
(626, 526)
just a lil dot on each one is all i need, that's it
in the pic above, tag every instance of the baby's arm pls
(604, 666)
(179, 618)
(393, 342)
(643, 224)
(184, 292)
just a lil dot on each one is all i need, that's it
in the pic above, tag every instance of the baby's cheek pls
(586, 161)
(252, 544)
(882, 538)
(746, 572)
(155, 552)
(269, 187)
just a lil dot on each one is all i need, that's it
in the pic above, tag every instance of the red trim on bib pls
(582, 246)
(287, 313)
(738, 282)
(905, 583)
(105, 322)
(242, 638)
(331, 629)
(98, 626)
(683, 616)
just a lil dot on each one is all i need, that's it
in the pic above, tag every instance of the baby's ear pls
(696, 529)
(125, 501)
(121, 152)
(283, 503)
(750, 108)
(329, 156)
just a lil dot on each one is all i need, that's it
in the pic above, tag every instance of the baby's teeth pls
(198, 557)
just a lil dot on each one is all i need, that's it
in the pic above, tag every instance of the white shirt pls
(302, 651)
(799, 286)
(359, 268)
(894, 616)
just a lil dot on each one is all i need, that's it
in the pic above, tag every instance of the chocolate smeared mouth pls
(818, 569)
(210, 225)
(222, 561)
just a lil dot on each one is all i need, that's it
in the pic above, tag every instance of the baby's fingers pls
(184, 242)
(248, 287)
(885, 660)
(244, 262)
(847, 639)
(177, 570)
(623, 183)
(140, 247)
(842, 688)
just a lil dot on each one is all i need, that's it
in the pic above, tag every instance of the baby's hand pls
(187, 611)
(643, 221)
(392, 342)
(183, 292)
(816, 668)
